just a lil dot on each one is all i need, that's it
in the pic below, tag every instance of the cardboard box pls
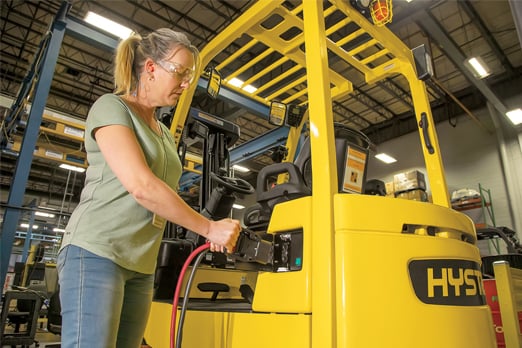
(413, 195)
(407, 181)
(390, 191)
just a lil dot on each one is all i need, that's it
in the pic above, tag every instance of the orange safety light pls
(381, 12)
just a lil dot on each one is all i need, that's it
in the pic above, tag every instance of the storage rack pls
(483, 204)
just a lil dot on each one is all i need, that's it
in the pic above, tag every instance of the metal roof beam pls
(486, 34)
(516, 10)
(433, 29)
(77, 29)
(238, 99)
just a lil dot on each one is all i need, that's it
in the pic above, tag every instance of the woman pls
(110, 246)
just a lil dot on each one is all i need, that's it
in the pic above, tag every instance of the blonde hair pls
(133, 51)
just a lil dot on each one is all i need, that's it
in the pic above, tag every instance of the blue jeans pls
(103, 304)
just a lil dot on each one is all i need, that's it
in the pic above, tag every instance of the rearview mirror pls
(214, 83)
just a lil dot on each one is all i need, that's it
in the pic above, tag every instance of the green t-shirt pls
(108, 221)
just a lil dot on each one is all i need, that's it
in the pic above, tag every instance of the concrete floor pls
(44, 337)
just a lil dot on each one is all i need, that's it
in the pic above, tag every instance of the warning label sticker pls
(354, 170)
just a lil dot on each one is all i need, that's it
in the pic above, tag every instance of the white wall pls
(470, 155)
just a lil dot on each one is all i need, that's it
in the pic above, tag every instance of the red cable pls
(178, 289)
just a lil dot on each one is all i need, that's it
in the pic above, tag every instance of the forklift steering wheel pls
(234, 184)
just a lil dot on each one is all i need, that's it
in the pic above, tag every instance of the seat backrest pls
(269, 193)
(299, 173)
(345, 137)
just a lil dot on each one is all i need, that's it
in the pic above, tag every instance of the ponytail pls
(133, 51)
(125, 70)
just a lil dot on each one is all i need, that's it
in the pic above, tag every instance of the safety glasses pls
(177, 70)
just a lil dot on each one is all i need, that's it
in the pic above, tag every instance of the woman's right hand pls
(223, 234)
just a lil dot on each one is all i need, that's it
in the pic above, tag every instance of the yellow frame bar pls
(508, 281)
(323, 168)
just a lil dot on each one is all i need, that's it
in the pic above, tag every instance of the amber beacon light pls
(381, 12)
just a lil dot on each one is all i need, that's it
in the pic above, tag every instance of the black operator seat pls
(344, 137)
(299, 182)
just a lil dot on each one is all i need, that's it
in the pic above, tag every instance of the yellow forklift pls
(322, 265)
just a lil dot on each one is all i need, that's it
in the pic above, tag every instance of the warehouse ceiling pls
(450, 30)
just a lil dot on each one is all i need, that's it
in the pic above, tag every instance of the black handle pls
(424, 125)
(214, 288)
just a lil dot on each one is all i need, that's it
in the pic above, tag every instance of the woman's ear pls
(149, 68)
(149, 65)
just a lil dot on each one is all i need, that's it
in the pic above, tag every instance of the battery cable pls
(175, 340)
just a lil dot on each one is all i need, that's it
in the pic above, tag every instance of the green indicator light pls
(298, 261)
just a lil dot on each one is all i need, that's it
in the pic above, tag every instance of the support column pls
(25, 157)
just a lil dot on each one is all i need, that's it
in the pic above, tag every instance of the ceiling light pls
(45, 207)
(41, 213)
(239, 83)
(108, 25)
(240, 168)
(250, 89)
(479, 68)
(515, 116)
(61, 230)
(238, 206)
(385, 158)
(27, 226)
(73, 168)
(235, 82)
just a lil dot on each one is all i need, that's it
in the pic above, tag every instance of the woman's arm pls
(126, 159)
